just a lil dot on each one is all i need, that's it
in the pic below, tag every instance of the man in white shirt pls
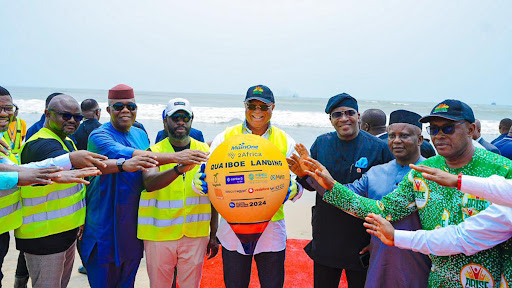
(270, 251)
(480, 232)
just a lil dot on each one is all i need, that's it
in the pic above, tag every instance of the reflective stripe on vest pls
(173, 204)
(176, 221)
(10, 202)
(5, 193)
(176, 210)
(59, 194)
(55, 214)
(278, 138)
(5, 211)
(10, 216)
(50, 209)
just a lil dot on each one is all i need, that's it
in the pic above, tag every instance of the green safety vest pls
(10, 204)
(176, 210)
(278, 138)
(50, 209)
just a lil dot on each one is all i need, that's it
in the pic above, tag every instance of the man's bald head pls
(59, 108)
(373, 121)
(64, 101)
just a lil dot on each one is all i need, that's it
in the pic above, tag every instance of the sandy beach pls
(298, 225)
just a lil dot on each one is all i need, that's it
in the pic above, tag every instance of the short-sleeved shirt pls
(337, 236)
(113, 199)
(81, 136)
(39, 150)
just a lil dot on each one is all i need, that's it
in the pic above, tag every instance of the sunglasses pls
(66, 116)
(254, 107)
(339, 114)
(120, 106)
(8, 108)
(447, 129)
(177, 117)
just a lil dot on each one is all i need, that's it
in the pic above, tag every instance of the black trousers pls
(237, 268)
(21, 267)
(327, 277)
(4, 247)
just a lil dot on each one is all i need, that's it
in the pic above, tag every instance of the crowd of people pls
(436, 215)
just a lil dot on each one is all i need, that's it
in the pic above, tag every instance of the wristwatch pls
(120, 163)
(177, 170)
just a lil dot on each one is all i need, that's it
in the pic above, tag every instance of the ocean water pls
(303, 118)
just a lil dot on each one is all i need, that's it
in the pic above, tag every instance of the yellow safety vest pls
(16, 145)
(10, 203)
(276, 136)
(50, 209)
(176, 210)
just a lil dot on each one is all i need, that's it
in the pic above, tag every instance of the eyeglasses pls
(339, 114)
(175, 118)
(7, 109)
(254, 107)
(447, 129)
(66, 116)
(120, 106)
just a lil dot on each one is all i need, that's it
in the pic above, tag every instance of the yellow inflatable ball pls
(248, 179)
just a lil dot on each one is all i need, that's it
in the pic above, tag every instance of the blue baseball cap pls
(452, 110)
(260, 92)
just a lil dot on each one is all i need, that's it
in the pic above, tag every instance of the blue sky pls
(393, 50)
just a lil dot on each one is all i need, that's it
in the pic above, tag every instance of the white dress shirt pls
(496, 188)
(482, 231)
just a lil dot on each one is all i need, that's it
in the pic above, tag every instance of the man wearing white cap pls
(173, 220)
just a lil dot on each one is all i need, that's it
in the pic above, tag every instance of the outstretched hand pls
(189, 156)
(301, 150)
(84, 159)
(318, 171)
(439, 176)
(380, 227)
(294, 165)
(44, 176)
(76, 175)
(295, 162)
(140, 163)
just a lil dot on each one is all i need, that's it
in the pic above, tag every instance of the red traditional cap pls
(121, 91)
